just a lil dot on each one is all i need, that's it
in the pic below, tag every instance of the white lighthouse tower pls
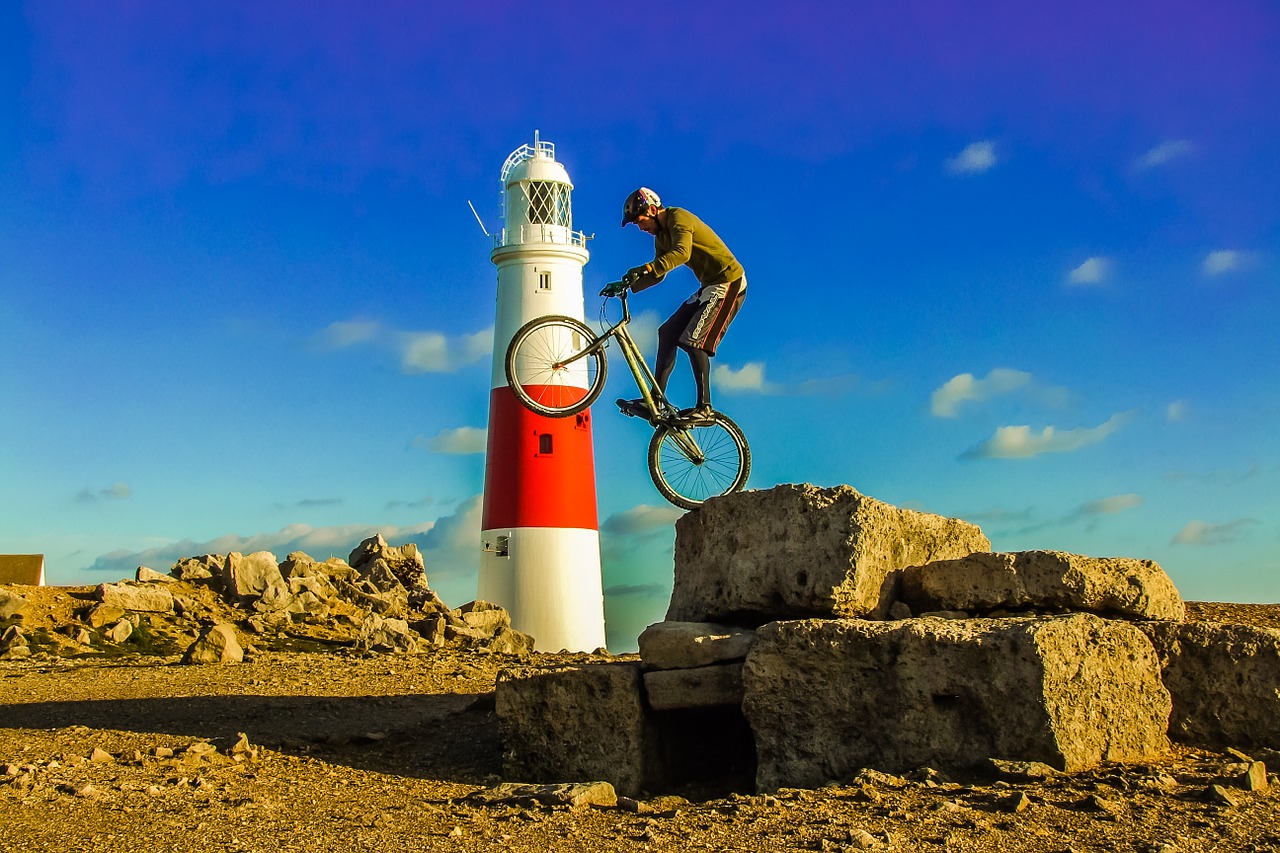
(541, 539)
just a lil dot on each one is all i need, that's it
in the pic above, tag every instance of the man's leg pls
(701, 364)
(668, 340)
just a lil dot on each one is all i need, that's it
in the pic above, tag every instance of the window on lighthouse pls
(548, 203)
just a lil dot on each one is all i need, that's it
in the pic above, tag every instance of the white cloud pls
(748, 378)
(976, 157)
(114, 492)
(460, 441)
(1176, 411)
(641, 519)
(1202, 533)
(346, 333)
(1111, 505)
(1165, 152)
(1222, 261)
(1092, 271)
(1019, 442)
(965, 388)
(419, 352)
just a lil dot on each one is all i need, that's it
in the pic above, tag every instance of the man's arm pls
(681, 248)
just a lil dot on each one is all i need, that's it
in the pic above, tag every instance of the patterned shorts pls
(713, 309)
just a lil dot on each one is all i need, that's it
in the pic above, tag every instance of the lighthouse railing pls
(539, 234)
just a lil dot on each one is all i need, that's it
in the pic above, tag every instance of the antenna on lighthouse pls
(478, 219)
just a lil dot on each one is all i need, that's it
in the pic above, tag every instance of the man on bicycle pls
(699, 324)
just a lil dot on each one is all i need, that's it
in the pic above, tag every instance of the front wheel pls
(553, 368)
(691, 464)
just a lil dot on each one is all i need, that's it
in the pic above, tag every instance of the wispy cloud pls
(458, 442)
(418, 351)
(1203, 533)
(1164, 153)
(114, 492)
(964, 388)
(1109, 506)
(1092, 271)
(313, 503)
(641, 519)
(1176, 411)
(748, 378)
(976, 157)
(1019, 442)
(1224, 261)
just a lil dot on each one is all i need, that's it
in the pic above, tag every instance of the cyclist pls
(699, 324)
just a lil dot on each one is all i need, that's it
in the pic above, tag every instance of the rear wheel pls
(542, 370)
(691, 464)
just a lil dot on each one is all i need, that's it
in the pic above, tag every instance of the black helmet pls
(637, 203)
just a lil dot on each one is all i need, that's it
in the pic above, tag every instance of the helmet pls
(637, 203)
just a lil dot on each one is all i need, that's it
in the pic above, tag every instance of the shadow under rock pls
(451, 737)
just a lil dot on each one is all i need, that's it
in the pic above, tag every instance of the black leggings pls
(669, 340)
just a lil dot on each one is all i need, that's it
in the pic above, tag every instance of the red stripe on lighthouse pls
(539, 471)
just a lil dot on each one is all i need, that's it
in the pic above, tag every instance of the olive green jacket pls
(686, 239)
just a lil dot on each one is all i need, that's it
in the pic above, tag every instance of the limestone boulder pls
(700, 687)
(101, 615)
(300, 565)
(1043, 580)
(247, 577)
(483, 616)
(578, 723)
(11, 604)
(216, 644)
(378, 634)
(148, 575)
(404, 561)
(203, 569)
(144, 598)
(1225, 682)
(682, 645)
(14, 644)
(509, 641)
(797, 551)
(826, 698)
(119, 631)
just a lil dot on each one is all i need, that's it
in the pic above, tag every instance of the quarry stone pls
(147, 575)
(700, 687)
(207, 567)
(145, 598)
(578, 722)
(828, 697)
(404, 561)
(378, 634)
(119, 632)
(11, 604)
(680, 645)
(797, 551)
(247, 577)
(509, 641)
(1044, 580)
(1224, 679)
(216, 644)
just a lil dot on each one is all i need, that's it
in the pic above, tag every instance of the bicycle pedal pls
(631, 409)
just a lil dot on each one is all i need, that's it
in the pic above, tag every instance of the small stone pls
(456, 832)
(162, 752)
(119, 632)
(101, 755)
(86, 790)
(1220, 795)
(1255, 778)
(1015, 803)
(863, 840)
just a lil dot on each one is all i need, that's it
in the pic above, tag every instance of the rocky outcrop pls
(216, 644)
(404, 563)
(144, 598)
(11, 604)
(826, 698)
(583, 722)
(203, 569)
(386, 635)
(251, 577)
(1224, 679)
(1043, 580)
(798, 551)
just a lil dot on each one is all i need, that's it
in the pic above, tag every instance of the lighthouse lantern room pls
(541, 543)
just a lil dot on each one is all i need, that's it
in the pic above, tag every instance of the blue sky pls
(1010, 262)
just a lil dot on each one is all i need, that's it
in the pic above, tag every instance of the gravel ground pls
(341, 752)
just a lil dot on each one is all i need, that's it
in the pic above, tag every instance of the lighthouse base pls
(548, 579)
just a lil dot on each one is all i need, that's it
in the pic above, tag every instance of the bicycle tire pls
(687, 483)
(532, 372)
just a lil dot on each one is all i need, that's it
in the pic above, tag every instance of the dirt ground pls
(380, 753)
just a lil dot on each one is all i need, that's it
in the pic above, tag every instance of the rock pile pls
(816, 633)
(377, 601)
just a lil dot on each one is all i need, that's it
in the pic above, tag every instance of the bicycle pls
(556, 366)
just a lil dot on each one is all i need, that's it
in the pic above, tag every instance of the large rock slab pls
(1044, 580)
(146, 598)
(797, 551)
(248, 577)
(216, 644)
(700, 687)
(827, 698)
(578, 724)
(681, 645)
(1225, 682)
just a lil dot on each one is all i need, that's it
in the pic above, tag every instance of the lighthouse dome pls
(536, 197)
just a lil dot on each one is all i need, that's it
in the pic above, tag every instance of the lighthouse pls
(540, 535)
